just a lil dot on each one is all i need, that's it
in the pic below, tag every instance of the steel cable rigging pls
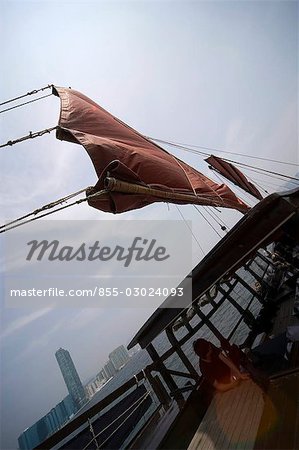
(28, 136)
(25, 103)
(189, 146)
(35, 91)
(18, 222)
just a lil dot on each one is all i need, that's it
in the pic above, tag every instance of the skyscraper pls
(119, 357)
(71, 377)
(47, 425)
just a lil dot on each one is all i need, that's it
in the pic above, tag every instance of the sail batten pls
(117, 150)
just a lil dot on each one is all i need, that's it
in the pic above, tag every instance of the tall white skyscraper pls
(71, 377)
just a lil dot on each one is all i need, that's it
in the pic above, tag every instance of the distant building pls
(71, 377)
(92, 387)
(47, 425)
(109, 370)
(31, 437)
(102, 375)
(119, 357)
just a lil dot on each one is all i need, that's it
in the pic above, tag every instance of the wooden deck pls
(232, 420)
(245, 418)
(279, 426)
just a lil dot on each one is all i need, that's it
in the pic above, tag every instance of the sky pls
(217, 74)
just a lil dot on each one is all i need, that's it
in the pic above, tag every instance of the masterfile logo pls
(98, 264)
(140, 250)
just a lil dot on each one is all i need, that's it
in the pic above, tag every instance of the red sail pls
(118, 151)
(233, 174)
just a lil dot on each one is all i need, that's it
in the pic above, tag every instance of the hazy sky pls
(215, 74)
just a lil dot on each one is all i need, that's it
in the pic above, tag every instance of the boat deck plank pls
(231, 420)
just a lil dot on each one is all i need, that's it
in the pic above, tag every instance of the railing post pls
(231, 300)
(159, 365)
(249, 288)
(158, 388)
(209, 324)
(175, 343)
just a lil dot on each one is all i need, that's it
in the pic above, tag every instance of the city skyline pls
(117, 359)
(60, 414)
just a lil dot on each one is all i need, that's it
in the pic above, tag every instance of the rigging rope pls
(241, 191)
(190, 229)
(268, 183)
(263, 170)
(218, 220)
(29, 136)
(258, 185)
(6, 227)
(138, 402)
(191, 150)
(131, 413)
(35, 91)
(43, 208)
(215, 211)
(222, 151)
(212, 226)
(268, 173)
(25, 103)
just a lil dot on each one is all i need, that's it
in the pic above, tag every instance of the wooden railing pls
(162, 380)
